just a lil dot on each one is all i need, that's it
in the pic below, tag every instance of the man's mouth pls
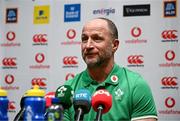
(89, 55)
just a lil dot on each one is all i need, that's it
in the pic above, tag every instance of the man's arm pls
(144, 108)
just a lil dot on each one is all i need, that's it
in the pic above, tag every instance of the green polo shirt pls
(132, 97)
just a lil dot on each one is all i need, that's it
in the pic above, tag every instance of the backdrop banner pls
(40, 44)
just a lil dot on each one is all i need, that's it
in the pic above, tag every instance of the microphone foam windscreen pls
(82, 98)
(65, 94)
(102, 97)
(49, 96)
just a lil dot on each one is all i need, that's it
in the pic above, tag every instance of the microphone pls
(65, 95)
(48, 97)
(19, 116)
(101, 103)
(55, 111)
(82, 103)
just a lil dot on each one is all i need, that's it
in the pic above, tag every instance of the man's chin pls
(91, 63)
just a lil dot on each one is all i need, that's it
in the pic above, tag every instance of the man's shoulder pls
(132, 77)
(129, 73)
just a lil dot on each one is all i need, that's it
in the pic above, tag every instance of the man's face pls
(97, 43)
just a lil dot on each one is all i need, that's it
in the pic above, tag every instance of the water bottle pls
(3, 105)
(55, 111)
(34, 104)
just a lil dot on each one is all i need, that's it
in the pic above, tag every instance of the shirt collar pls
(112, 78)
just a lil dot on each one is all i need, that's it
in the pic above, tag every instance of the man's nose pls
(89, 43)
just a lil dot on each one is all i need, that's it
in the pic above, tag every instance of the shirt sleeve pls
(143, 102)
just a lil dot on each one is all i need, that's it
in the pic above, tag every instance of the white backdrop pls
(40, 44)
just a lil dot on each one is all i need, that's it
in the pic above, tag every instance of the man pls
(134, 100)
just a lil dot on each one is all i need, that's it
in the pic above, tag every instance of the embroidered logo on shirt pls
(118, 94)
(61, 91)
(114, 78)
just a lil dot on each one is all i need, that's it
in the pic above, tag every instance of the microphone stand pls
(99, 113)
(79, 116)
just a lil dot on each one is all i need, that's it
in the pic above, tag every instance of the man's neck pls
(101, 72)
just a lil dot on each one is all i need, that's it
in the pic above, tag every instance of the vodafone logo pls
(170, 102)
(169, 81)
(70, 60)
(10, 36)
(114, 78)
(136, 31)
(71, 33)
(9, 62)
(39, 57)
(40, 38)
(9, 79)
(169, 34)
(38, 81)
(170, 55)
(69, 76)
(135, 59)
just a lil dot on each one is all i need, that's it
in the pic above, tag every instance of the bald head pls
(106, 23)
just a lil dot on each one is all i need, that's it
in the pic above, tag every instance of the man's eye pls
(84, 39)
(97, 39)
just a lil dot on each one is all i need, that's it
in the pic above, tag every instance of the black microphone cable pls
(19, 116)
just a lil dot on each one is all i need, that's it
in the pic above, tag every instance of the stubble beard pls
(99, 60)
(95, 62)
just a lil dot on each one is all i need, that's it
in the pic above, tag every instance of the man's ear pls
(115, 45)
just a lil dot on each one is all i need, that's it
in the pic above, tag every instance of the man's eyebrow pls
(83, 34)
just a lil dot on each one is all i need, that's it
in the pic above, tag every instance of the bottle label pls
(51, 116)
(29, 113)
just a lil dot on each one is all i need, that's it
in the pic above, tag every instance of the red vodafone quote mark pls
(170, 55)
(39, 57)
(170, 102)
(69, 76)
(71, 33)
(9, 79)
(10, 36)
(136, 31)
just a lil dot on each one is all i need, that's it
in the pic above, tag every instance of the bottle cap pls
(3, 92)
(35, 92)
